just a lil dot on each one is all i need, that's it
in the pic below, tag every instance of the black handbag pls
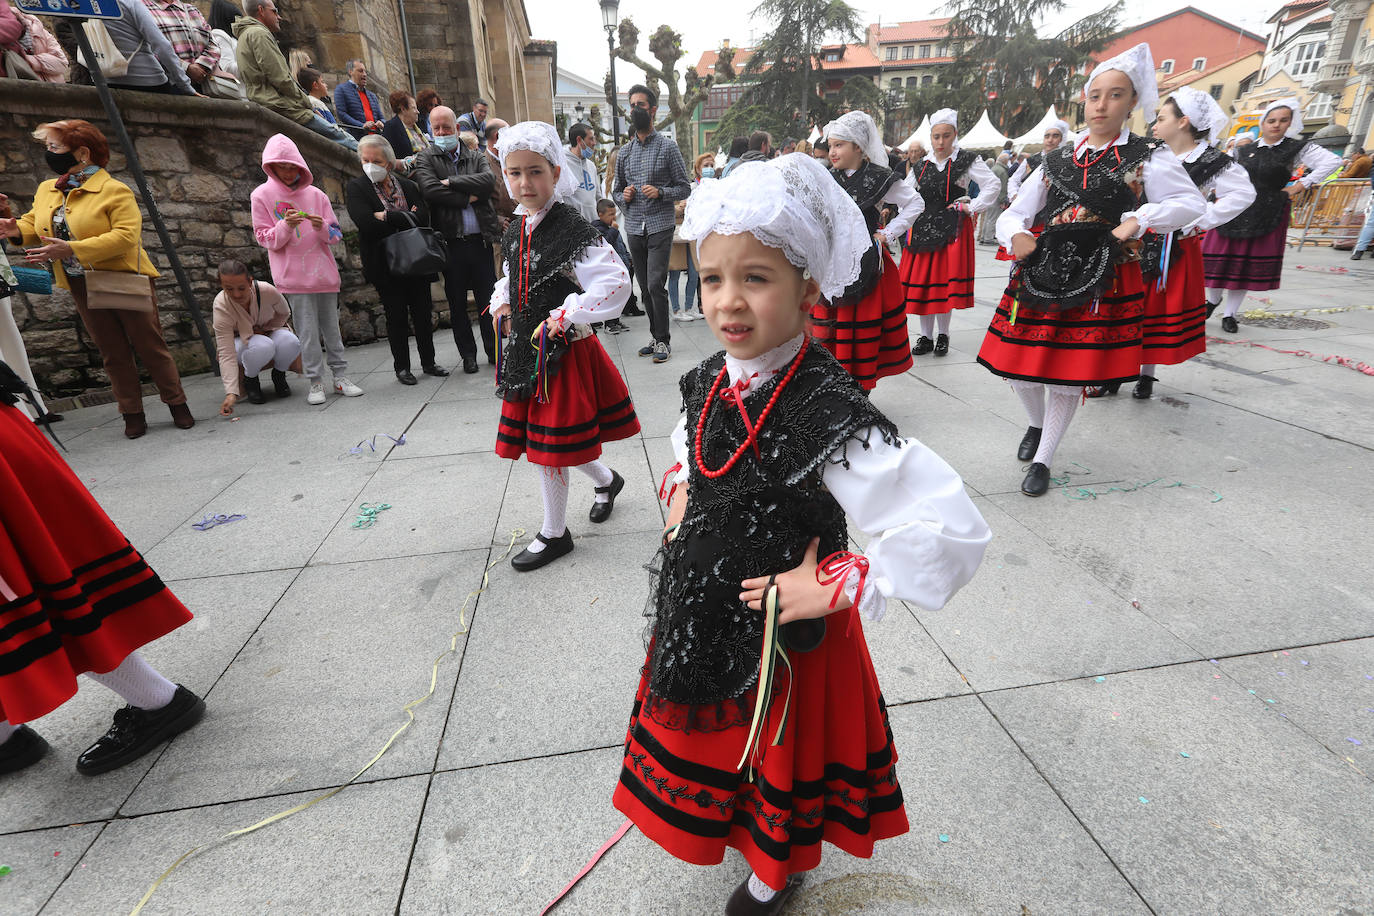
(415, 252)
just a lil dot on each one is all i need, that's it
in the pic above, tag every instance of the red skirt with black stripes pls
(75, 596)
(588, 404)
(832, 778)
(869, 338)
(1092, 344)
(939, 281)
(1174, 330)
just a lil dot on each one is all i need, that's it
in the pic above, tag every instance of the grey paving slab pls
(346, 855)
(910, 664)
(437, 505)
(39, 862)
(446, 428)
(52, 793)
(286, 716)
(145, 522)
(1258, 818)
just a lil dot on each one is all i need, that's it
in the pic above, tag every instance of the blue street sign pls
(79, 9)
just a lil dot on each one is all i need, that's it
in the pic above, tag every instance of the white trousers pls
(277, 349)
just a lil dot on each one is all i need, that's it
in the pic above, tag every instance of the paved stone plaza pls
(1150, 699)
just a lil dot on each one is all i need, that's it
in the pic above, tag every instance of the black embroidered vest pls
(548, 257)
(866, 186)
(1107, 188)
(1270, 168)
(1209, 163)
(755, 520)
(938, 225)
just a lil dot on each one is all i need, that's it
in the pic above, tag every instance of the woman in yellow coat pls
(85, 220)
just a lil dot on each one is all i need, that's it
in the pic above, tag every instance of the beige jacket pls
(267, 312)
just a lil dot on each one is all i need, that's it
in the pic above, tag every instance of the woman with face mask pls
(383, 203)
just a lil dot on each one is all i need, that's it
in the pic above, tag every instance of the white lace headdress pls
(1293, 105)
(791, 203)
(946, 116)
(1202, 111)
(1066, 135)
(538, 137)
(1139, 66)
(858, 128)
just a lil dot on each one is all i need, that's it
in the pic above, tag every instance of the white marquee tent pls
(1036, 135)
(920, 135)
(982, 136)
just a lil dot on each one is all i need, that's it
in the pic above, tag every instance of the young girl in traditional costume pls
(562, 397)
(1055, 135)
(75, 598)
(1072, 314)
(937, 267)
(864, 325)
(1246, 253)
(1189, 121)
(758, 723)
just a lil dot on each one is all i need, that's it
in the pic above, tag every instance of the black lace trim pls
(1107, 188)
(1270, 169)
(866, 186)
(1208, 165)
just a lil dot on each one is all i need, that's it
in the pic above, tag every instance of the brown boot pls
(135, 425)
(181, 416)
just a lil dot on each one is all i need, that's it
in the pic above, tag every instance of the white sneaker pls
(346, 388)
(316, 395)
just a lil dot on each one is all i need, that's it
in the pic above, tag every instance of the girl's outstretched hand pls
(800, 595)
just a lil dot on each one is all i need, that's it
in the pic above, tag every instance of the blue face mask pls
(448, 142)
(588, 153)
(708, 172)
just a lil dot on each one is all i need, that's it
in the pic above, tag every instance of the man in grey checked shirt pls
(649, 176)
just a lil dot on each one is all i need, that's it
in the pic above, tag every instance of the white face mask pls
(376, 173)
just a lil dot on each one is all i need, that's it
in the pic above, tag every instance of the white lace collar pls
(762, 368)
(940, 163)
(1084, 144)
(1193, 154)
(532, 220)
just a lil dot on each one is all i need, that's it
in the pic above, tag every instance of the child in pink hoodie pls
(294, 221)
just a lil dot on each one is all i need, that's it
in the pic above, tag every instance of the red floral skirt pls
(832, 778)
(74, 594)
(869, 339)
(935, 282)
(1175, 317)
(1088, 345)
(588, 404)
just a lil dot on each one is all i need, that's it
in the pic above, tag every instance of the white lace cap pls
(858, 128)
(1139, 66)
(790, 203)
(1202, 111)
(1066, 135)
(538, 137)
(1293, 105)
(946, 116)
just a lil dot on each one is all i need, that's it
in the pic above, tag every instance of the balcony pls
(1365, 62)
(1333, 77)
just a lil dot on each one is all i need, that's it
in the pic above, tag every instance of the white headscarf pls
(790, 203)
(1139, 66)
(1293, 105)
(946, 116)
(538, 137)
(1202, 111)
(858, 128)
(1065, 134)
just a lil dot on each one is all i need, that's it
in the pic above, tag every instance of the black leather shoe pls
(743, 903)
(254, 389)
(1230, 325)
(440, 371)
(25, 747)
(1101, 391)
(524, 561)
(1144, 388)
(470, 366)
(1212, 307)
(942, 345)
(1037, 480)
(279, 385)
(1029, 443)
(405, 378)
(923, 346)
(136, 731)
(602, 511)
(1357, 255)
(632, 310)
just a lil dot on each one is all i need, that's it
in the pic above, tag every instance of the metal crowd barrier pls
(1325, 213)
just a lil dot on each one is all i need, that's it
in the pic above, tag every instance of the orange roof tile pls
(918, 30)
(707, 63)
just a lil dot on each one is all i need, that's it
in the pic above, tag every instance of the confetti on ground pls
(944, 838)
(1304, 663)
(1325, 270)
(367, 514)
(210, 521)
(1144, 800)
(1099, 679)
(5, 870)
(1358, 365)
(1214, 661)
(1185, 754)
(1355, 741)
(1136, 605)
(371, 445)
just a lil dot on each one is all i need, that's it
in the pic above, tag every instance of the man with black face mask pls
(649, 177)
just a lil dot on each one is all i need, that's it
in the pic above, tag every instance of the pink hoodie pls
(300, 257)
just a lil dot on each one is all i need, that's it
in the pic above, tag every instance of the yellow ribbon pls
(408, 709)
(772, 651)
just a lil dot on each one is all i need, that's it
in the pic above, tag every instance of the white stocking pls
(1032, 395)
(1059, 409)
(760, 891)
(601, 477)
(1234, 299)
(944, 322)
(1215, 295)
(6, 729)
(1148, 369)
(138, 683)
(554, 484)
(927, 325)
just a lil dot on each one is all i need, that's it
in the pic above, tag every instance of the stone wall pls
(202, 158)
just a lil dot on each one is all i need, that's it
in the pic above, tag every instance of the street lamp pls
(579, 108)
(610, 20)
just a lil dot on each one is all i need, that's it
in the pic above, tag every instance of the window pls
(892, 53)
(1167, 66)
(1319, 108)
(925, 50)
(927, 80)
(895, 84)
(908, 52)
(941, 51)
(1215, 91)
(1199, 63)
(1305, 58)
(911, 82)
(832, 56)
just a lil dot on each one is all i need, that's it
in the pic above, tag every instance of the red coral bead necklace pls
(753, 435)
